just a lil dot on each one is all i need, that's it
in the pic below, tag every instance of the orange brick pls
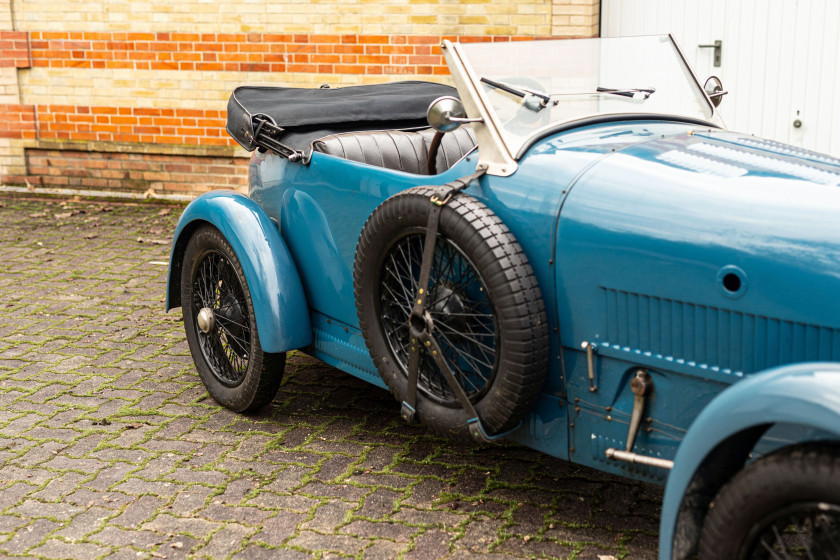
(350, 49)
(349, 69)
(379, 59)
(423, 40)
(325, 38)
(188, 37)
(161, 47)
(229, 37)
(277, 38)
(208, 47)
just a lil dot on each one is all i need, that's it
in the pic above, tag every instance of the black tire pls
(489, 316)
(229, 358)
(788, 502)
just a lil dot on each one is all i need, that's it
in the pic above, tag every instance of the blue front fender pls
(280, 306)
(804, 394)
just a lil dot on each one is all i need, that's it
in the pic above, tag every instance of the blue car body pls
(705, 257)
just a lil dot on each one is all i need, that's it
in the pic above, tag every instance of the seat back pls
(401, 150)
(453, 146)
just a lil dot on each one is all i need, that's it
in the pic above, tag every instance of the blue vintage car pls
(568, 250)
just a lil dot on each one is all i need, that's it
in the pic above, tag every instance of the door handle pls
(718, 46)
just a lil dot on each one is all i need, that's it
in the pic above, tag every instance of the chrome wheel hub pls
(206, 320)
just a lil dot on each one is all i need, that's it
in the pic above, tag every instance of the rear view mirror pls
(447, 113)
(714, 89)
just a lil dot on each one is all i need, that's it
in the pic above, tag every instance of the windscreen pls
(528, 86)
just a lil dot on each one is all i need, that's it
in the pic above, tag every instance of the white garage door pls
(779, 59)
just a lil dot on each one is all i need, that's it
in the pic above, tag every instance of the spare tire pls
(487, 310)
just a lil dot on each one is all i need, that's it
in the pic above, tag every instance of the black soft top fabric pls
(308, 114)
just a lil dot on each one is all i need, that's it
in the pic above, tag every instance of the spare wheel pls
(485, 306)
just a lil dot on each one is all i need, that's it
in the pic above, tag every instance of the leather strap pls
(420, 324)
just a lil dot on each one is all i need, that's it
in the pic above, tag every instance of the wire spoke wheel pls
(226, 345)
(802, 530)
(221, 325)
(483, 307)
(465, 324)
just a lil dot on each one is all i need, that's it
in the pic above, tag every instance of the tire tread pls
(802, 473)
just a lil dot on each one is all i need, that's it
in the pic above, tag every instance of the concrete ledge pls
(136, 148)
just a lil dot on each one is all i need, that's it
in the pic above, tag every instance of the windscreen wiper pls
(534, 100)
(634, 93)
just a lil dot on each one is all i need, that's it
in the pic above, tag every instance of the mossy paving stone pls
(111, 448)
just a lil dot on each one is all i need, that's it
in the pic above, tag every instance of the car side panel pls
(322, 208)
(645, 238)
(530, 203)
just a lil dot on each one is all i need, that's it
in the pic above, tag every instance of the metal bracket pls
(407, 412)
(477, 431)
(591, 349)
(266, 135)
(641, 385)
(718, 46)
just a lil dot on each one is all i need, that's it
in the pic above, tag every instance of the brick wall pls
(14, 49)
(575, 18)
(104, 80)
(17, 124)
(163, 175)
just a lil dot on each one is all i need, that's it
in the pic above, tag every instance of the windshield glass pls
(529, 86)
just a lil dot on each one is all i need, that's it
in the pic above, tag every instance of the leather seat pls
(453, 147)
(401, 150)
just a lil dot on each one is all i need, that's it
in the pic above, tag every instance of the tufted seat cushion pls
(453, 147)
(401, 150)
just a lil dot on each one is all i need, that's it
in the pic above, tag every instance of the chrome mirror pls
(447, 113)
(714, 89)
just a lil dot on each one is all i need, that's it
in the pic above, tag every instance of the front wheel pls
(221, 328)
(783, 506)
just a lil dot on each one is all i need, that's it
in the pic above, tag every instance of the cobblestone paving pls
(111, 448)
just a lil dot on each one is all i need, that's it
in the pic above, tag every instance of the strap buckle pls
(434, 199)
(478, 434)
(407, 412)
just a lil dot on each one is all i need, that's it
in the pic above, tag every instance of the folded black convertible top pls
(288, 120)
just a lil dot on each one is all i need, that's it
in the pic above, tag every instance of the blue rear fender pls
(718, 442)
(280, 306)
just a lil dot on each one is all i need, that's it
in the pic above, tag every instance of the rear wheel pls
(783, 506)
(221, 328)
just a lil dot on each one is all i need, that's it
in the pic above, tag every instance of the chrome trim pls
(627, 457)
(591, 349)
(206, 320)
(715, 114)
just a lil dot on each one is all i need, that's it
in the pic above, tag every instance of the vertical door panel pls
(780, 59)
